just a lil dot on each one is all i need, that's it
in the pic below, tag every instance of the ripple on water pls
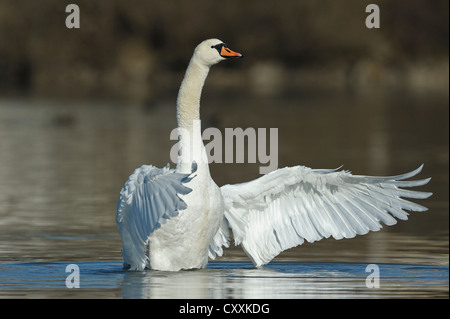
(223, 279)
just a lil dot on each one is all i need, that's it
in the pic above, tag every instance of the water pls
(62, 165)
(237, 280)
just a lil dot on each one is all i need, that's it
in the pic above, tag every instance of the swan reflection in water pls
(285, 280)
(243, 282)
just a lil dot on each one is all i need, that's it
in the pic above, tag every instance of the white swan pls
(184, 217)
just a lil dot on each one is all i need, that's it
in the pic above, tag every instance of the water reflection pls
(286, 280)
(224, 282)
(227, 280)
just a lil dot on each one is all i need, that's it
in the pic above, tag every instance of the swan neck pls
(188, 102)
(190, 145)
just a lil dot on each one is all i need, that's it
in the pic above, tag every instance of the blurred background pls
(135, 50)
(80, 109)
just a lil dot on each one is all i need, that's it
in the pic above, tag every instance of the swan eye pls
(218, 47)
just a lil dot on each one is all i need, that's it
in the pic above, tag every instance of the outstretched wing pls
(148, 199)
(285, 207)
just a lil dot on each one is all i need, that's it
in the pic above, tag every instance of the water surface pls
(237, 280)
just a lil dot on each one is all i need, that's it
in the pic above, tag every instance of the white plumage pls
(287, 206)
(149, 198)
(184, 217)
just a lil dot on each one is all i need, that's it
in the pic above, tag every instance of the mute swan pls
(184, 217)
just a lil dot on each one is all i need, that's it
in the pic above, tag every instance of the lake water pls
(225, 280)
(62, 165)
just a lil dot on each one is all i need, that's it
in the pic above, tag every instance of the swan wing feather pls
(149, 198)
(284, 208)
(220, 239)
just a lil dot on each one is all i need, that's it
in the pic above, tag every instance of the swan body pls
(183, 217)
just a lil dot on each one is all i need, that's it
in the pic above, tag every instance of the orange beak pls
(228, 53)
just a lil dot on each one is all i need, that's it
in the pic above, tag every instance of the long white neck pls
(190, 145)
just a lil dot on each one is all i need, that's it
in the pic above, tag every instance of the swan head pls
(212, 51)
